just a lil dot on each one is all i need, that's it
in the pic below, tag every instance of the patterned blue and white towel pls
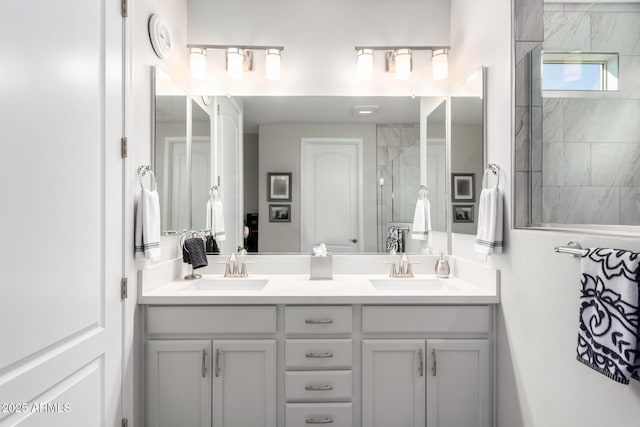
(608, 338)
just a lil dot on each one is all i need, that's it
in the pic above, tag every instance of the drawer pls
(318, 319)
(310, 414)
(426, 319)
(322, 386)
(211, 320)
(318, 354)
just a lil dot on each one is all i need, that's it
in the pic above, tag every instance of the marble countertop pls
(298, 289)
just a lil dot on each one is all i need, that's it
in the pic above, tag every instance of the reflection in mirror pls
(437, 166)
(200, 162)
(171, 161)
(467, 154)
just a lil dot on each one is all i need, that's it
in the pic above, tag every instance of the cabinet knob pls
(354, 240)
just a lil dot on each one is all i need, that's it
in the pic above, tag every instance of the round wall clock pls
(160, 37)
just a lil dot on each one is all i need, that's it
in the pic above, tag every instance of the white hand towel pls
(490, 222)
(147, 233)
(421, 220)
(215, 219)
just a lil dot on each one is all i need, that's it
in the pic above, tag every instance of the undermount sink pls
(230, 284)
(407, 284)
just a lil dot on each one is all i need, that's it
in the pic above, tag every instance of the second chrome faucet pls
(233, 269)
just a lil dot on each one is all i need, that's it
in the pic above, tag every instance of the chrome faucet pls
(404, 269)
(233, 269)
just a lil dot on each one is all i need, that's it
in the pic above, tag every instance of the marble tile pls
(528, 20)
(629, 76)
(553, 7)
(603, 7)
(536, 139)
(536, 197)
(536, 76)
(522, 199)
(388, 136)
(522, 139)
(394, 154)
(614, 164)
(409, 135)
(580, 205)
(601, 120)
(552, 120)
(567, 31)
(382, 156)
(566, 164)
(522, 73)
(615, 32)
(630, 205)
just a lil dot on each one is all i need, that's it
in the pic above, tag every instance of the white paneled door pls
(61, 193)
(331, 194)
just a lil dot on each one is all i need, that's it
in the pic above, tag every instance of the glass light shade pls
(440, 64)
(365, 64)
(198, 63)
(235, 60)
(402, 59)
(272, 64)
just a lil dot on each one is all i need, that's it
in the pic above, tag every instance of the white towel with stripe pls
(490, 222)
(147, 228)
(421, 220)
(215, 218)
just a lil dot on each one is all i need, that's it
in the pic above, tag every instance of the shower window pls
(579, 71)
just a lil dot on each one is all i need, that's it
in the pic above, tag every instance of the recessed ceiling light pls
(365, 110)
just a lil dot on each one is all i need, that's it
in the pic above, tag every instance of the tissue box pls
(321, 268)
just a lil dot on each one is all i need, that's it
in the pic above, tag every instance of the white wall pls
(280, 152)
(540, 383)
(319, 37)
(466, 157)
(174, 14)
(251, 160)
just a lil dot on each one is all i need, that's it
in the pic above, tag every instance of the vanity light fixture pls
(399, 60)
(198, 63)
(239, 59)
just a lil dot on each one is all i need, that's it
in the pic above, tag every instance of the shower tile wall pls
(398, 163)
(591, 144)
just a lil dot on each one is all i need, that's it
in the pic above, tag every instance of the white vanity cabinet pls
(290, 365)
(226, 380)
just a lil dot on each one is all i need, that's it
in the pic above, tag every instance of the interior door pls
(331, 194)
(61, 180)
(200, 173)
(229, 169)
(436, 176)
(178, 185)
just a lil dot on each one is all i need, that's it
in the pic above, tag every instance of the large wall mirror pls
(292, 172)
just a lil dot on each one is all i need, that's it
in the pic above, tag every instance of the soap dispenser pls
(442, 267)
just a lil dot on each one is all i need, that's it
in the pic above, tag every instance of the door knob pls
(354, 240)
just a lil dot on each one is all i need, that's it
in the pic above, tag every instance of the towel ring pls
(495, 170)
(214, 193)
(422, 192)
(189, 235)
(142, 171)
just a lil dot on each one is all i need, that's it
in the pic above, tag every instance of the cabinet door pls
(179, 383)
(458, 387)
(244, 383)
(393, 383)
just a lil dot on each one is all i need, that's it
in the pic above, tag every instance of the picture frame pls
(279, 186)
(463, 187)
(463, 213)
(279, 213)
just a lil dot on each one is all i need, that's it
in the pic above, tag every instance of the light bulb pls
(365, 64)
(198, 60)
(235, 59)
(440, 64)
(403, 63)
(272, 64)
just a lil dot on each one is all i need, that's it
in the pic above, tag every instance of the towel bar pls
(571, 248)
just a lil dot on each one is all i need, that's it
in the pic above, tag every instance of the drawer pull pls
(318, 355)
(313, 420)
(325, 387)
(318, 321)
